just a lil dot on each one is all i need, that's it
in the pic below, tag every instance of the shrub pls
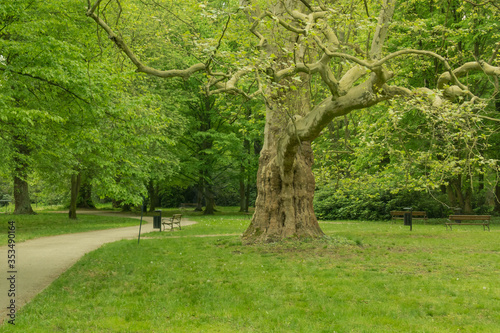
(366, 204)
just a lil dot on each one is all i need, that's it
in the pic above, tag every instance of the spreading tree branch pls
(185, 73)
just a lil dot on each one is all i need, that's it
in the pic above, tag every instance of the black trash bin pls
(157, 220)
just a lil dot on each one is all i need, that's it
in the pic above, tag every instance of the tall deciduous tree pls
(296, 42)
(69, 106)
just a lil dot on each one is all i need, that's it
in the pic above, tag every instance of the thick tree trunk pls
(199, 198)
(21, 196)
(284, 206)
(285, 182)
(75, 188)
(463, 197)
(22, 202)
(452, 197)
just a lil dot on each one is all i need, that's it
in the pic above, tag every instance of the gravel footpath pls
(40, 261)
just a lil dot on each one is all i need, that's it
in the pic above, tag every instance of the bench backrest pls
(184, 205)
(469, 217)
(176, 217)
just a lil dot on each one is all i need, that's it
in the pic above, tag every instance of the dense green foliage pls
(368, 204)
(410, 147)
(71, 106)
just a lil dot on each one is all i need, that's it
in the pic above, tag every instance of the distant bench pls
(171, 221)
(188, 205)
(457, 220)
(400, 215)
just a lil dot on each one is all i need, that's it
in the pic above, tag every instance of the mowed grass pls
(364, 277)
(50, 224)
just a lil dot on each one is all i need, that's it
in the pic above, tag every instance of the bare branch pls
(366, 8)
(219, 42)
(94, 7)
(307, 5)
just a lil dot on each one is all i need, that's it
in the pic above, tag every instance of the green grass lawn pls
(50, 224)
(364, 277)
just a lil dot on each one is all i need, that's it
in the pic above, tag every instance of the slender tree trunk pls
(247, 196)
(242, 190)
(75, 188)
(243, 170)
(153, 195)
(210, 201)
(22, 202)
(456, 183)
(85, 194)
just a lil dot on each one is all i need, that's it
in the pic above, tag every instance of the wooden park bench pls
(171, 221)
(457, 220)
(416, 215)
(184, 206)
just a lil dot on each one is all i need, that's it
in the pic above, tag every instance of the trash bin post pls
(408, 219)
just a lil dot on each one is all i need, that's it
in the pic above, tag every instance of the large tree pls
(298, 45)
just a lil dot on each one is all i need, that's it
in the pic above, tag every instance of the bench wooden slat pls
(396, 214)
(460, 218)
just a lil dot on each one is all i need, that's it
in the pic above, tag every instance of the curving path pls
(40, 261)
